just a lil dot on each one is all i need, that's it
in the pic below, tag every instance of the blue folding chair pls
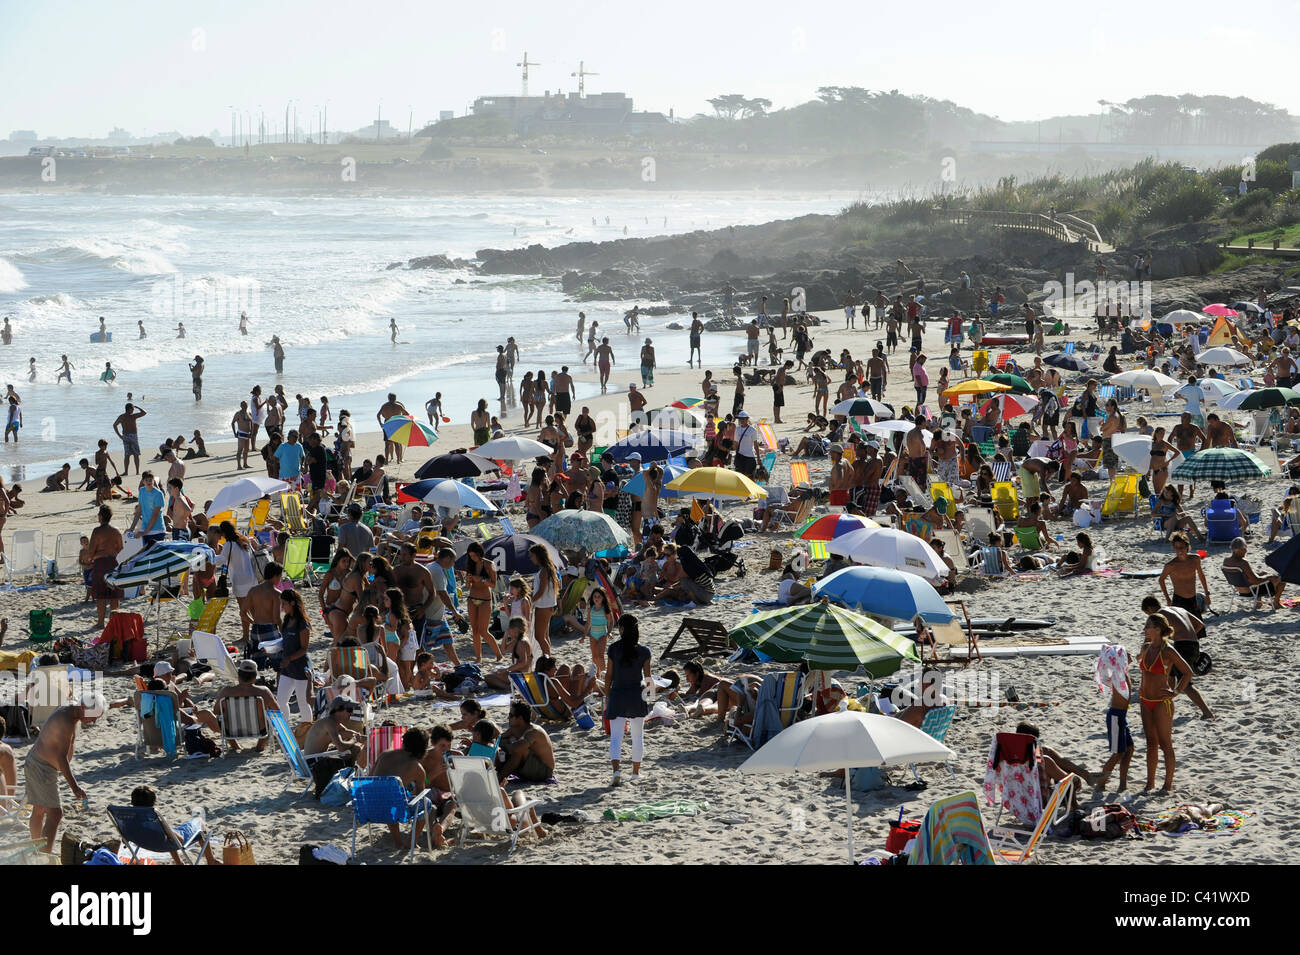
(384, 800)
(935, 723)
(141, 828)
(299, 761)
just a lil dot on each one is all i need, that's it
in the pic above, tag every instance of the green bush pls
(1180, 196)
(1271, 174)
(1253, 205)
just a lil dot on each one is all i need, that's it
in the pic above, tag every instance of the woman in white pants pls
(626, 702)
(295, 678)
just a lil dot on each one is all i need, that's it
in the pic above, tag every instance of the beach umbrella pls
(1218, 308)
(1145, 378)
(687, 403)
(1013, 406)
(719, 482)
(1258, 399)
(887, 547)
(1134, 450)
(409, 432)
(654, 445)
(1286, 561)
(885, 593)
(1182, 316)
(862, 406)
(828, 637)
(636, 485)
(451, 494)
(592, 531)
(1220, 464)
(846, 741)
(244, 490)
(1216, 389)
(1017, 384)
(890, 428)
(509, 552)
(677, 419)
(1066, 362)
(830, 526)
(1250, 307)
(514, 448)
(1223, 355)
(162, 563)
(456, 464)
(976, 386)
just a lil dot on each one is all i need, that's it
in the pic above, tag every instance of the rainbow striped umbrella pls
(830, 526)
(409, 432)
(687, 403)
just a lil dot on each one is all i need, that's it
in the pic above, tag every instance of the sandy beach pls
(1239, 759)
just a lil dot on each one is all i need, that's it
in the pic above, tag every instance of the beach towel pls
(1224, 822)
(1012, 768)
(649, 811)
(1111, 669)
(952, 833)
(767, 714)
(497, 699)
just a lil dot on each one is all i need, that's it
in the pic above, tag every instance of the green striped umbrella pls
(828, 637)
(1221, 464)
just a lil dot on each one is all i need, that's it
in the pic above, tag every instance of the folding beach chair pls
(1068, 348)
(483, 810)
(769, 436)
(297, 559)
(23, 558)
(1105, 393)
(299, 762)
(1003, 359)
(1001, 471)
(769, 463)
(349, 661)
(1006, 500)
(507, 527)
(940, 489)
(957, 363)
(1242, 590)
(817, 550)
(799, 474)
(1122, 495)
(291, 514)
(321, 552)
(710, 636)
(935, 723)
(243, 718)
(991, 561)
(979, 361)
(952, 833)
(781, 696)
(384, 800)
(381, 739)
(258, 515)
(67, 554)
(142, 830)
(532, 689)
(1027, 538)
(160, 708)
(1016, 846)
(210, 649)
(784, 519)
(211, 616)
(1012, 767)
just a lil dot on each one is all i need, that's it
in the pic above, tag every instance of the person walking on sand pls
(65, 370)
(697, 329)
(604, 359)
(51, 757)
(125, 427)
(1158, 660)
(433, 408)
(629, 692)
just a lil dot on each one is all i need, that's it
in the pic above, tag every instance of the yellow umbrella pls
(720, 481)
(976, 386)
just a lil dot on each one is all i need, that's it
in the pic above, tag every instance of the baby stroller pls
(721, 548)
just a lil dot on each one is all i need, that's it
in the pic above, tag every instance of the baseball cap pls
(162, 668)
(634, 456)
(246, 666)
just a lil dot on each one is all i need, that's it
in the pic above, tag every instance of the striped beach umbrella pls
(828, 637)
(163, 561)
(1221, 464)
(409, 432)
(1013, 406)
(687, 403)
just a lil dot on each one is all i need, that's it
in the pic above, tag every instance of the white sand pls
(1242, 758)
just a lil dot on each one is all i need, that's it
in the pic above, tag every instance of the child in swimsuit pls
(598, 623)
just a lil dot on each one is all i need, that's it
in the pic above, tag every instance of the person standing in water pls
(65, 370)
(196, 373)
(7, 333)
(604, 359)
(502, 371)
(31, 369)
(392, 330)
(140, 325)
(180, 329)
(582, 322)
(697, 329)
(277, 352)
(108, 375)
(243, 323)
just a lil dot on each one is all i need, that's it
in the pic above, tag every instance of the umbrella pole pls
(848, 801)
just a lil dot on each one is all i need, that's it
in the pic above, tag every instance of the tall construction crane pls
(581, 75)
(526, 64)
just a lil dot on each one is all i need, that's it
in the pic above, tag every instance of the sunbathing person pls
(147, 797)
(567, 686)
(742, 693)
(529, 754)
(247, 686)
(1260, 587)
(1081, 561)
(406, 765)
(519, 648)
(703, 687)
(331, 734)
(1052, 766)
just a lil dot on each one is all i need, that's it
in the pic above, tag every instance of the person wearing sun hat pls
(746, 452)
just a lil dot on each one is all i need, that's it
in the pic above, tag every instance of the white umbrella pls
(1216, 389)
(887, 547)
(244, 490)
(1223, 355)
(453, 495)
(1134, 450)
(861, 405)
(1182, 316)
(1145, 378)
(890, 428)
(1234, 401)
(846, 741)
(513, 449)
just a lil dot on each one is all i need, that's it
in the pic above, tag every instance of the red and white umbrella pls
(1013, 406)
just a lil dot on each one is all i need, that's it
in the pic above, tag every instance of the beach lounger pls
(384, 800)
(67, 554)
(1006, 500)
(1243, 590)
(769, 462)
(211, 616)
(779, 699)
(1016, 846)
(483, 811)
(817, 550)
(952, 833)
(24, 557)
(299, 762)
(799, 474)
(349, 661)
(1122, 495)
(711, 639)
(210, 649)
(160, 708)
(1003, 359)
(242, 718)
(533, 691)
(935, 723)
(142, 830)
(291, 514)
(940, 489)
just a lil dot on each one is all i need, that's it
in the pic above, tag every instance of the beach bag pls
(197, 744)
(1144, 486)
(900, 834)
(1111, 821)
(93, 657)
(775, 560)
(338, 791)
(237, 850)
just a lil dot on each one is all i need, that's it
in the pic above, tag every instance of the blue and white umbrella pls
(451, 494)
(884, 592)
(637, 484)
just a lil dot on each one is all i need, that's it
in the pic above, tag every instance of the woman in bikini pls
(541, 395)
(526, 397)
(536, 498)
(1156, 660)
(1161, 451)
(399, 634)
(332, 595)
(350, 601)
(703, 686)
(480, 578)
(546, 589)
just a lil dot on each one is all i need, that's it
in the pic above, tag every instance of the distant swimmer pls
(625, 230)
(243, 323)
(606, 220)
(7, 333)
(433, 408)
(512, 357)
(108, 375)
(31, 369)
(140, 325)
(582, 316)
(103, 329)
(65, 370)
(180, 329)
(593, 222)
(196, 373)
(277, 352)
(516, 232)
(392, 328)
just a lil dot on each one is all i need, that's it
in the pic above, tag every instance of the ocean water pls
(314, 272)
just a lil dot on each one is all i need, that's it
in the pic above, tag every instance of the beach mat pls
(648, 811)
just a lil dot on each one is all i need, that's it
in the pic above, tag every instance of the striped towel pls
(953, 834)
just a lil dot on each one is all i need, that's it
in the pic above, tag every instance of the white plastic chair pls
(24, 556)
(482, 808)
(67, 551)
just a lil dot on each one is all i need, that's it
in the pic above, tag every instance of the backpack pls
(1111, 821)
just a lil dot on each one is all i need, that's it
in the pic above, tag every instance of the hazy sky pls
(77, 68)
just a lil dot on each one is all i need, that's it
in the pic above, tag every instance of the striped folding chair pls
(952, 833)
(799, 474)
(769, 436)
(242, 718)
(1001, 471)
(211, 616)
(381, 739)
(817, 550)
(349, 661)
(531, 687)
(935, 723)
(1068, 348)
